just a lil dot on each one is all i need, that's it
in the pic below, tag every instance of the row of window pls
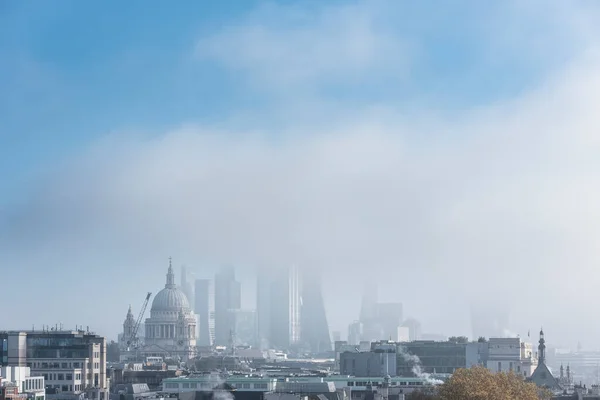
(195, 385)
(64, 377)
(365, 383)
(33, 383)
(66, 388)
(64, 365)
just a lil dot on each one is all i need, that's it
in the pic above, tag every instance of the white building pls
(33, 386)
(171, 328)
(511, 354)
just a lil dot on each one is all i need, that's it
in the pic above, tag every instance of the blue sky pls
(74, 71)
(422, 139)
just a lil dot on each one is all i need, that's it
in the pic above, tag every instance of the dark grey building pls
(433, 357)
(379, 362)
(205, 309)
(315, 329)
(227, 297)
(279, 307)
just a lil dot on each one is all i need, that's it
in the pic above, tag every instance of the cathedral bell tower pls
(128, 326)
(542, 348)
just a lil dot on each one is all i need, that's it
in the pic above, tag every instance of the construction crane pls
(134, 340)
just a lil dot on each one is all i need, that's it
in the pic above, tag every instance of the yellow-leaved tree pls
(479, 383)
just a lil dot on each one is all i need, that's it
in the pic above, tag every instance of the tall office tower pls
(285, 308)
(315, 329)
(368, 306)
(205, 309)
(371, 329)
(264, 283)
(355, 333)
(489, 320)
(228, 297)
(187, 287)
(414, 329)
(389, 320)
(336, 336)
(244, 327)
(279, 307)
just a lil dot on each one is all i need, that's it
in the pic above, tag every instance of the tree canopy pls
(479, 383)
(458, 339)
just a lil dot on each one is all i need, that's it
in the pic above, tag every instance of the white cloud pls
(496, 203)
(283, 46)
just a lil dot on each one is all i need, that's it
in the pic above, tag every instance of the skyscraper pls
(489, 320)
(368, 306)
(279, 305)
(227, 297)
(205, 309)
(187, 287)
(315, 329)
(389, 319)
(264, 282)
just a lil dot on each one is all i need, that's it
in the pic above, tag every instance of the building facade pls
(511, 355)
(380, 361)
(32, 387)
(427, 356)
(72, 363)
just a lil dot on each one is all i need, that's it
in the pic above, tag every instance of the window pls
(61, 377)
(246, 386)
(76, 365)
(65, 388)
(260, 386)
(69, 377)
(64, 365)
(499, 366)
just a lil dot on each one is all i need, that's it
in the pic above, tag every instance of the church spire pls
(542, 348)
(170, 276)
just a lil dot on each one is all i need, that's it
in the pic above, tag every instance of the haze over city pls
(453, 160)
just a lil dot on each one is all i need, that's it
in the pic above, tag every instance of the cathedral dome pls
(171, 298)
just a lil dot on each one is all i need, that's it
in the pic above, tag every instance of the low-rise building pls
(72, 363)
(441, 357)
(30, 387)
(378, 362)
(511, 355)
